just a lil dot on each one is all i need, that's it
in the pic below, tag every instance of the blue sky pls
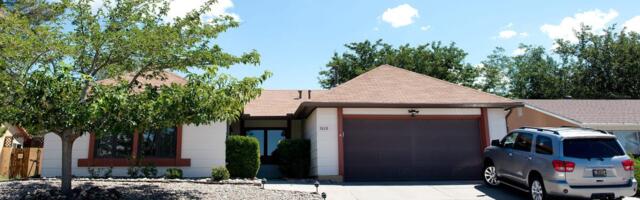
(296, 38)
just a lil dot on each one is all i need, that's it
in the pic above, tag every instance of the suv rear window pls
(592, 148)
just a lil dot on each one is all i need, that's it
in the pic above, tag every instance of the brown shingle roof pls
(591, 111)
(392, 85)
(278, 102)
(384, 86)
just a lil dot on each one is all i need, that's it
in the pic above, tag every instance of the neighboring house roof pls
(15, 131)
(590, 111)
(278, 102)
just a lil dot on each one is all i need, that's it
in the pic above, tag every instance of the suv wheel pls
(490, 175)
(536, 188)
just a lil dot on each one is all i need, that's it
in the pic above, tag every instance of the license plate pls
(599, 172)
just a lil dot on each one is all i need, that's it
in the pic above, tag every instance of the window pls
(630, 141)
(114, 146)
(273, 139)
(258, 134)
(160, 147)
(543, 145)
(592, 148)
(159, 143)
(268, 139)
(523, 142)
(508, 140)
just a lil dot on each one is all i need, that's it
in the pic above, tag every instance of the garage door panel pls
(392, 150)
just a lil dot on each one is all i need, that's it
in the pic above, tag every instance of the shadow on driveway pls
(444, 190)
(501, 192)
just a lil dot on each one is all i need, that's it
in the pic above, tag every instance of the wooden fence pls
(21, 162)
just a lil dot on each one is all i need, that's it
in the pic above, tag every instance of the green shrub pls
(94, 172)
(108, 172)
(293, 157)
(134, 168)
(149, 171)
(133, 171)
(173, 173)
(99, 172)
(219, 173)
(243, 156)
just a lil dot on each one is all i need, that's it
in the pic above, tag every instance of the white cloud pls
(179, 8)
(633, 24)
(182, 7)
(519, 51)
(400, 16)
(597, 19)
(507, 34)
(425, 28)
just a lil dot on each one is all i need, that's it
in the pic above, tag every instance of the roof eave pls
(307, 107)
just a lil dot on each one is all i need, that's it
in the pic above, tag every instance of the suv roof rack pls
(540, 129)
(586, 128)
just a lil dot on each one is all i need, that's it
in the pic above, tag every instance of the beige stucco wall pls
(204, 145)
(524, 116)
(321, 128)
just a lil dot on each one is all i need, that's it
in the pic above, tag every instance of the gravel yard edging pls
(254, 182)
(144, 190)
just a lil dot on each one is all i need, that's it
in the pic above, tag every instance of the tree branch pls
(26, 71)
(135, 77)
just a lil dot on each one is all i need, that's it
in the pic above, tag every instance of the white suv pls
(568, 162)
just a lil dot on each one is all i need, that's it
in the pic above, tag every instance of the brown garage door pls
(411, 150)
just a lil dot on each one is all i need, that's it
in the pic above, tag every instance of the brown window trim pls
(178, 161)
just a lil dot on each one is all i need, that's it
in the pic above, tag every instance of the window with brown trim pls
(159, 143)
(161, 147)
(113, 146)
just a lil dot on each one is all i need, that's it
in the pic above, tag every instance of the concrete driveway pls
(406, 190)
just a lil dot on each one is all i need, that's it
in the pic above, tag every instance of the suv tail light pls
(563, 166)
(628, 165)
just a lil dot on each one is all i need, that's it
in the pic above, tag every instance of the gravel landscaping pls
(40, 189)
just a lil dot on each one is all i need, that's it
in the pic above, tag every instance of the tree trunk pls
(67, 146)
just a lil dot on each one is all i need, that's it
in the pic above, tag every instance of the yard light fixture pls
(317, 184)
(324, 195)
(264, 181)
(413, 112)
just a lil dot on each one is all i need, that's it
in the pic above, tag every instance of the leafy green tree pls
(602, 65)
(54, 53)
(494, 71)
(434, 59)
(535, 75)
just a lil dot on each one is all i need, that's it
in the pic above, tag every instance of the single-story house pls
(620, 117)
(387, 124)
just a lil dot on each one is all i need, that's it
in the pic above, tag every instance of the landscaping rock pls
(112, 189)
